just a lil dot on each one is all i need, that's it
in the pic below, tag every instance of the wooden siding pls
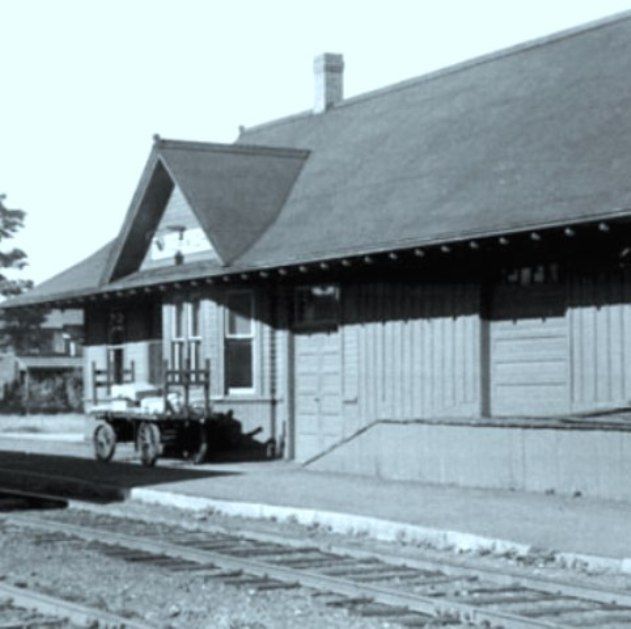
(600, 324)
(529, 352)
(283, 376)
(254, 409)
(410, 350)
(147, 359)
(142, 322)
(95, 326)
(146, 355)
(177, 215)
(318, 392)
(92, 354)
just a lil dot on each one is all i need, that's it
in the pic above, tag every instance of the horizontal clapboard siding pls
(529, 352)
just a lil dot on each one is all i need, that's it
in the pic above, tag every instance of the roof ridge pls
(219, 147)
(501, 53)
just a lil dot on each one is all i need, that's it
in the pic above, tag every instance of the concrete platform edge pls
(376, 528)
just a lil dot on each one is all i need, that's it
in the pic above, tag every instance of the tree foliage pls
(19, 328)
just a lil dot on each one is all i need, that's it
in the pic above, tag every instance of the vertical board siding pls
(282, 353)
(93, 354)
(167, 327)
(411, 350)
(214, 345)
(264, 367)
(600, 348)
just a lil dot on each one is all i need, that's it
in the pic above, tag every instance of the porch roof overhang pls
(195, 275)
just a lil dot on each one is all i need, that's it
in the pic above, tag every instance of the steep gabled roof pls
(80, 279)
(234, 191)
(534, 136)
(528, 137)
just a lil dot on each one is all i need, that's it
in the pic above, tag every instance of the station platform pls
(592, 531)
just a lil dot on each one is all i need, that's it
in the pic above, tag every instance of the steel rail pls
(428, 605)
(63, 609)
(451, 567)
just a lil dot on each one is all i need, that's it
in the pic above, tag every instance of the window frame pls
(194, 340)
(319, 324)
(251, 336)
(178, 340)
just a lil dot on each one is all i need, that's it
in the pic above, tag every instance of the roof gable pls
(178, 238)
(233, 192)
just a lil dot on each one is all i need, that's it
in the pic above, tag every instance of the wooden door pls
(529, 351)
(318, 392)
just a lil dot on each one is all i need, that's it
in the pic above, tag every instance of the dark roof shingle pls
(81, 278)
(532, 136)
(529, 137)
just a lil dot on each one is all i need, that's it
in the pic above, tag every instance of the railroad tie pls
(350, 601)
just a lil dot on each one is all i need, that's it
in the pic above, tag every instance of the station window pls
(538, 274)
(115, 349)
(317, 306)
(186, 339)
(239, 342)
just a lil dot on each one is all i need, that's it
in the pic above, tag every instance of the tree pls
(19, 328)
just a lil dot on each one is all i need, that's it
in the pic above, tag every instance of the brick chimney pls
(329, 81)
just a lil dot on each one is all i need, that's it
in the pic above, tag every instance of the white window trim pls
(178, 339)
(190, 337)
(189, 320)
(174, 335)
(236, 391)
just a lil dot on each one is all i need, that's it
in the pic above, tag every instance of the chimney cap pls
(329, 61)
(328, 70)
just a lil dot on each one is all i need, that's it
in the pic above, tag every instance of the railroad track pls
(407, 592)
(22, 608)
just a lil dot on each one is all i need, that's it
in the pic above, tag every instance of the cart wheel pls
(148, 443)
(104, 439)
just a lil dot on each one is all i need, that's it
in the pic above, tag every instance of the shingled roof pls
(529, 137)
(235, 192)
(532, 136)
(80, 279)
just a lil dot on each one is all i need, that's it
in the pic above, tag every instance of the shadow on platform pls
(85, 479)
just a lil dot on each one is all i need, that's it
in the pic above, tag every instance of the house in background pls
(426, 282)
(38, 373)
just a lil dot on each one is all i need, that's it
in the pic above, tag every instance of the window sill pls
(244, 398)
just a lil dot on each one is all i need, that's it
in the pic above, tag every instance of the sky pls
(86, 83)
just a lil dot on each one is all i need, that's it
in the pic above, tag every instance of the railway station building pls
(427, 282)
